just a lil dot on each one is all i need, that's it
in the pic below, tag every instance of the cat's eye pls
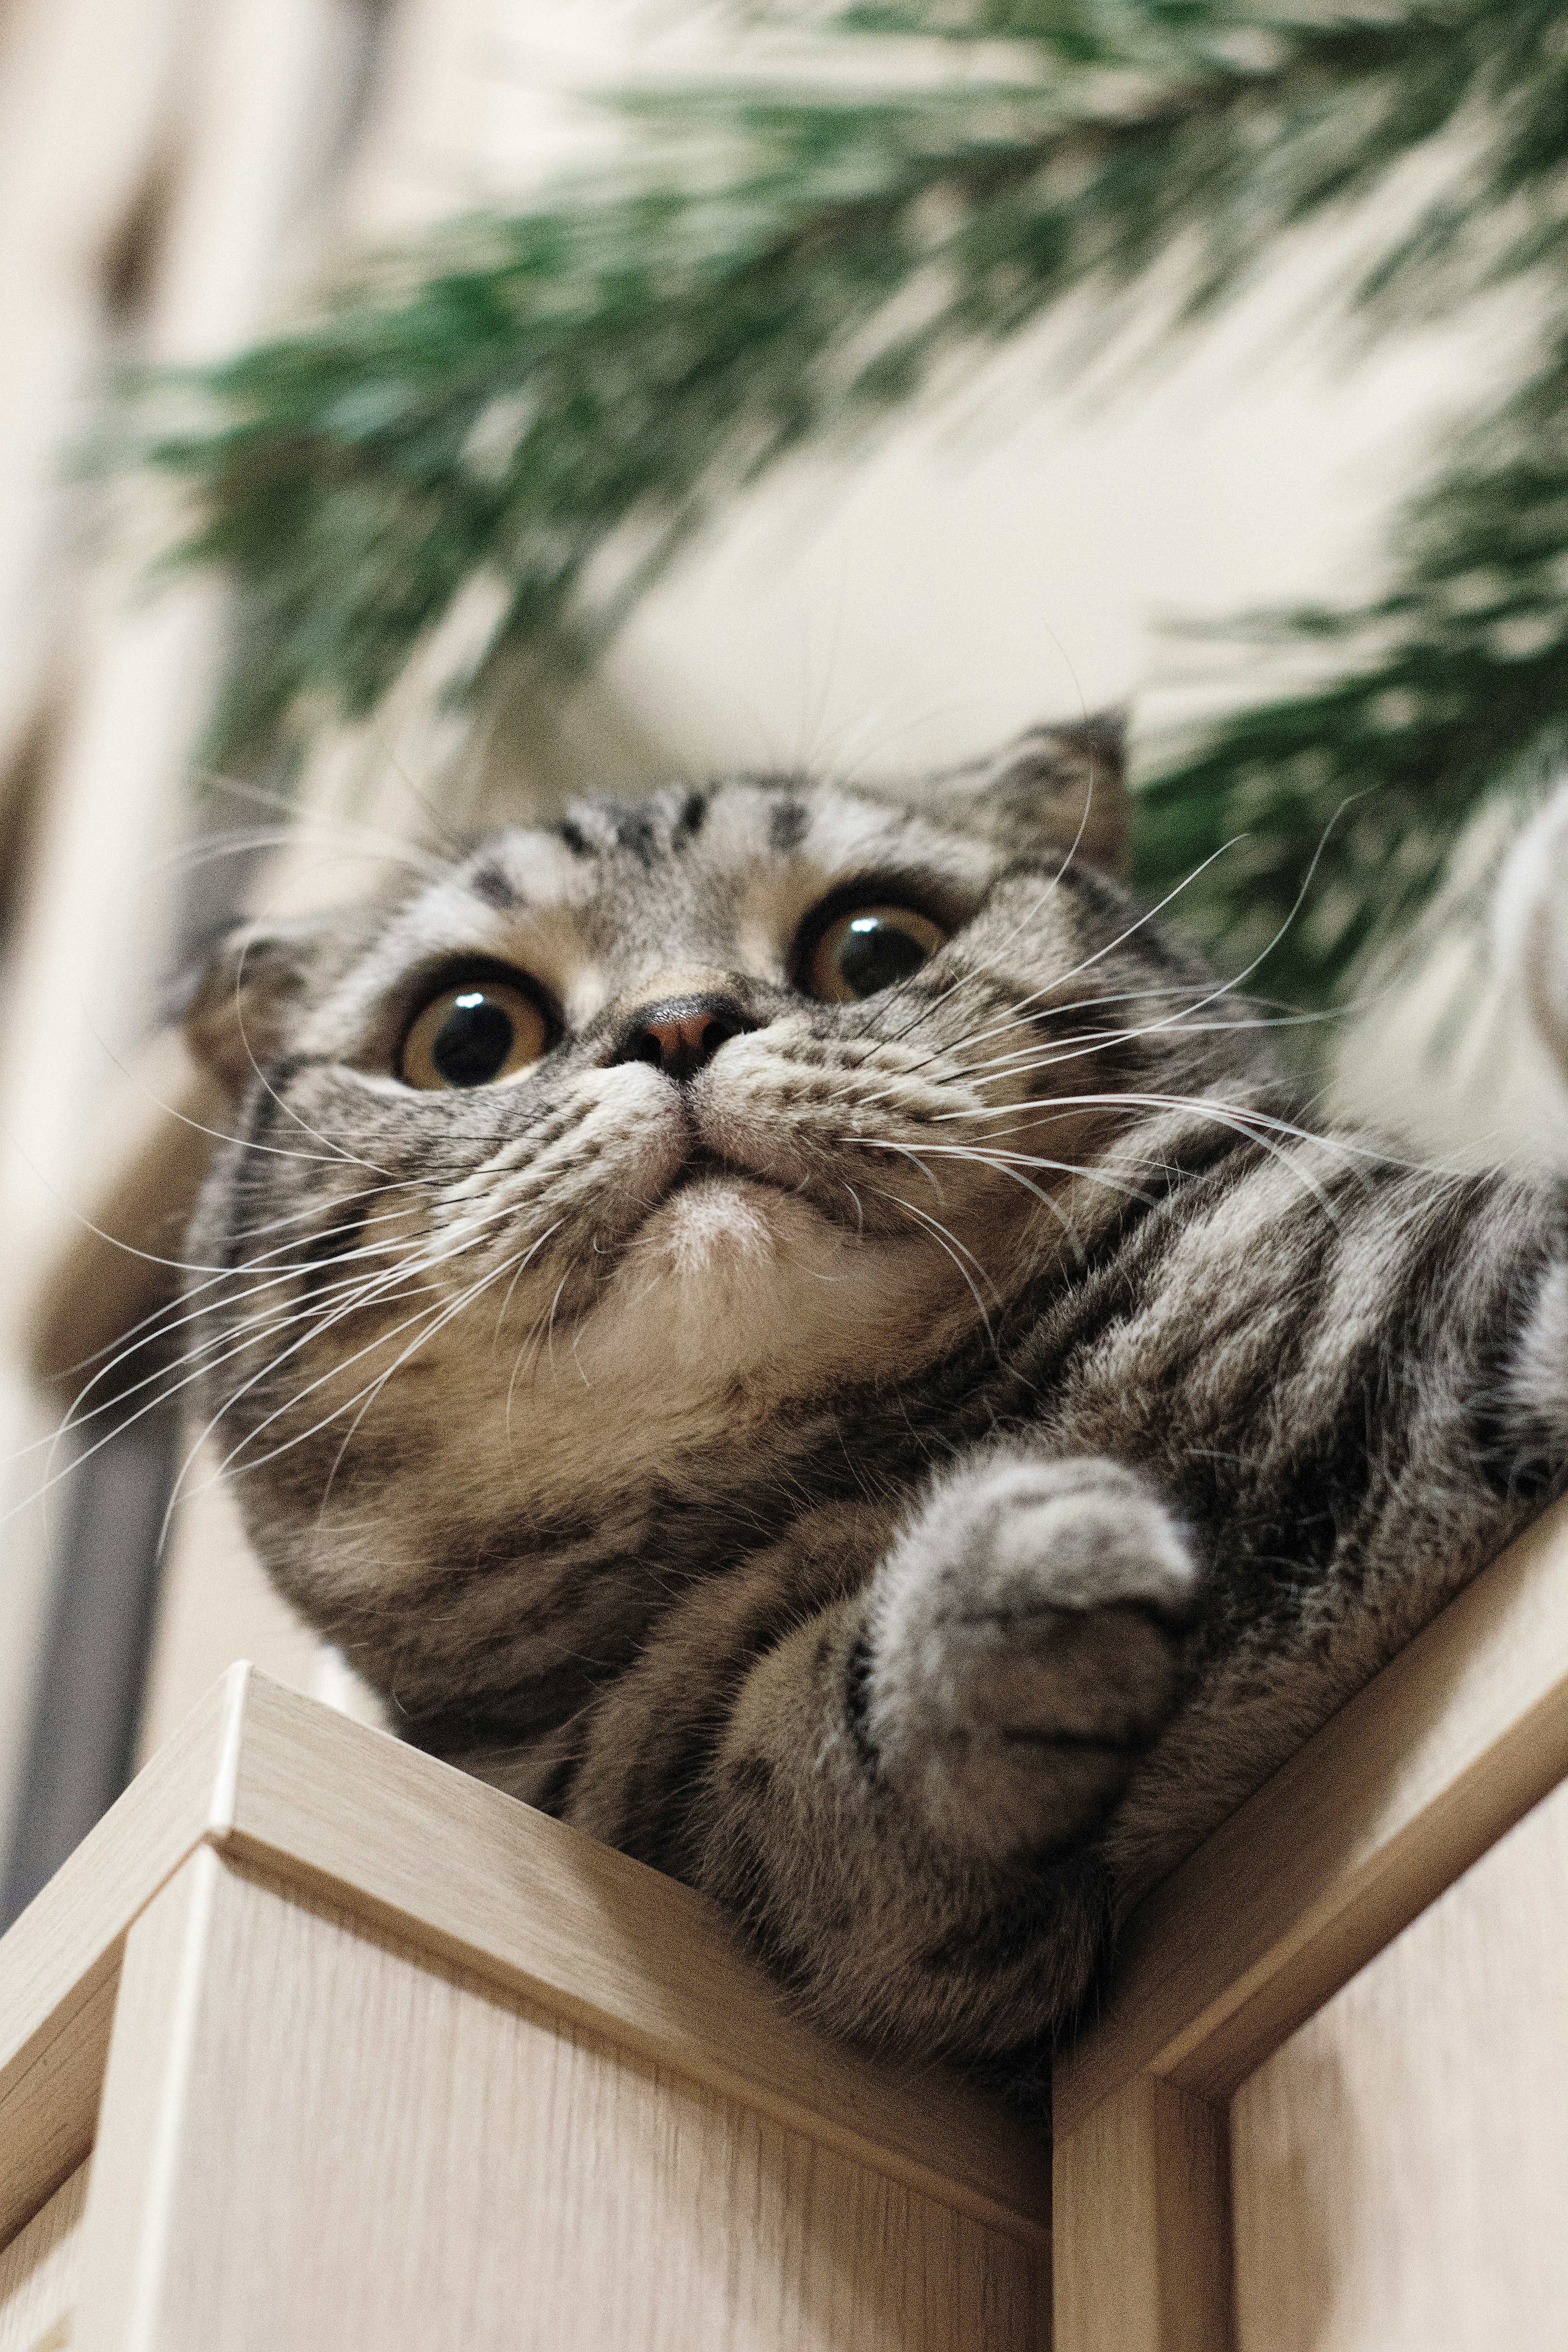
(474, 1035)
(869, 948)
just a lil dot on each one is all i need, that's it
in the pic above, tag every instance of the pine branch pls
(1456, 678)
(568, 394)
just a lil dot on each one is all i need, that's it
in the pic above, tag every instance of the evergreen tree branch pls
(1452, 681)
(569, 393)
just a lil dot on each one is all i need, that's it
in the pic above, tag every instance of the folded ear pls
(1058, 787)
(238, 1007)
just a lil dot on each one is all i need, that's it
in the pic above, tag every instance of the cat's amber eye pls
(474, 1035)
(869, 948)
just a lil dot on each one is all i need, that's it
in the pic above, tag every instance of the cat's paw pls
(1024, 1648)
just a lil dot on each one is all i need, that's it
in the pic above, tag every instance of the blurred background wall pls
(175, 176)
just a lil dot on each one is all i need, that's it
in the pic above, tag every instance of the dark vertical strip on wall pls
(93, 1664)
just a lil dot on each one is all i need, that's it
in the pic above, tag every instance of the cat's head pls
(605, 1156)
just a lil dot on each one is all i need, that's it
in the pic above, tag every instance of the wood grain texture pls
(1391, 1801)
(39, 2273)
(1401, 2166)
(60, 1960)
(600, 1939)
(280, 1782)
(165, 1975)
(265, 2177)
(1142, 2255)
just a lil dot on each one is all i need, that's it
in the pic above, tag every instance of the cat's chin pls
(721, 1223)
(728, 1279)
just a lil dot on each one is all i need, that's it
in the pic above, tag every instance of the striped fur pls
(910, 1480)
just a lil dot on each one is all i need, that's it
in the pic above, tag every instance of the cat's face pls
(586, 1166)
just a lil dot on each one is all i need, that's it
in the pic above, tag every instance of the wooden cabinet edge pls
(606, 1943)
(60, 1960)
(276, 1782)
(49, 2118)
(1142, 2261)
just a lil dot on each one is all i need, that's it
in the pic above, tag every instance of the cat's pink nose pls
(682, 1035)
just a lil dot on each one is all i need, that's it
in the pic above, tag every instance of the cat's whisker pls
(1180, 1022)
(242, 841)
(1257, 1128)
(1024, 922)
(886, 1144)
(166, 1395)
(182, 1490)
(949, 1052)
(1018, 1011)
(985, 1155)
(949, 1242)
(291, 1403)
(1047, 1055)
(340, 1200)
(76, 1418)
(519, 1353)
(288, 1109)
(299, 825)
(1129, 930)
(158, 1326)
(550, 1329)
(198, 1127)
(1262, 1014)
(520, 1261)
(529, 1257)
(1039, 1025)
(266, 1325)
(364, 1292)
(1240, 979)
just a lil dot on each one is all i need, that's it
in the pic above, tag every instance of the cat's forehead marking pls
(830, 838)
(528, 868)
(617, 890)
(522, 891)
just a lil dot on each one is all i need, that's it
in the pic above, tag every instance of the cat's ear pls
(1062, 787)
(236, 1004)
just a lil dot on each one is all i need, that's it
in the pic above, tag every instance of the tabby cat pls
(794, 1328)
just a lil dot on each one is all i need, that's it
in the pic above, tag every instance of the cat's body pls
(907, 1464)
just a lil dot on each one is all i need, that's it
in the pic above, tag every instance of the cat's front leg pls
(905, 1799)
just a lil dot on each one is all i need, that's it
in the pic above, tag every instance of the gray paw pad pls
(1026, 1648)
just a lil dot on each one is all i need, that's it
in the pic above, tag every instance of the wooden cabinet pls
(1400, 2166)
(332, 2048)
(316, 2043)
(1327, 2108)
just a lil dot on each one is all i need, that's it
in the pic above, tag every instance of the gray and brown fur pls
(909, 1480)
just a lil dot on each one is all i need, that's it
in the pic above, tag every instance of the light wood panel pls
(1142, 2257)
(279, 1783)
(58, 1963)
(602, 1939)
(1395, 1797)
(1401, 2165)
(39, 2273)
(264, 2177)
